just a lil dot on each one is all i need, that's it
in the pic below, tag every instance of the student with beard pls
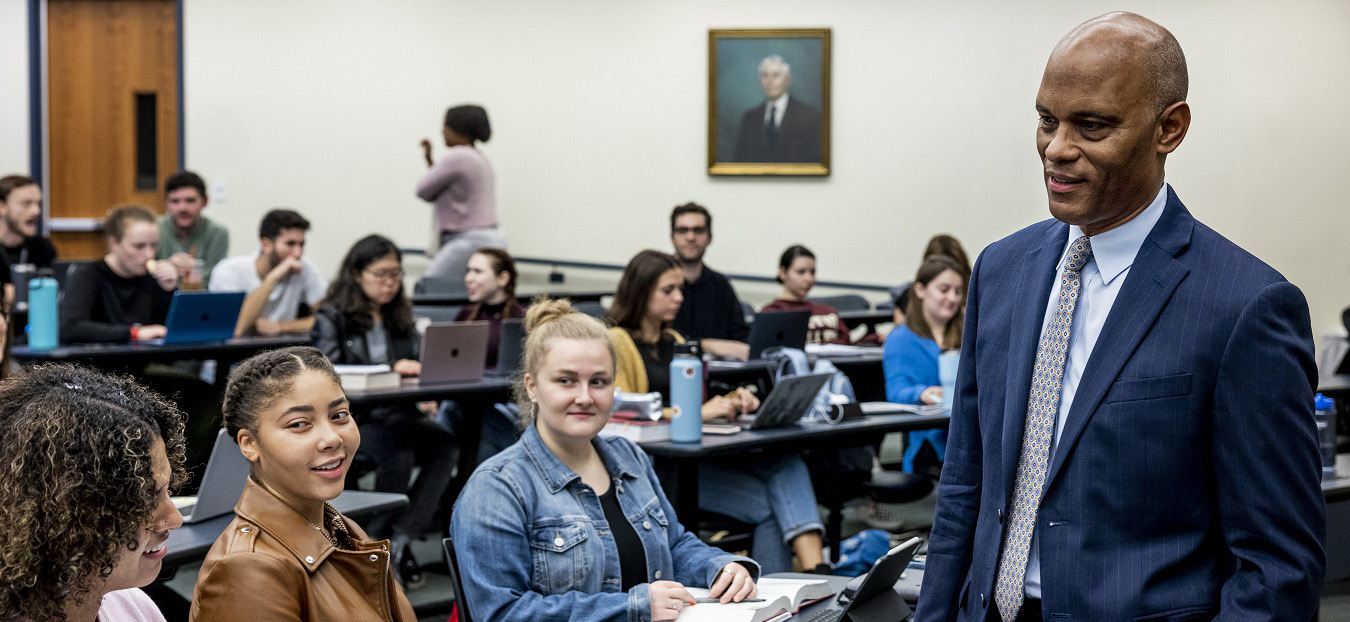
(283, 289)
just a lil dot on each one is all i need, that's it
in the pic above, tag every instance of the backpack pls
(827, 466)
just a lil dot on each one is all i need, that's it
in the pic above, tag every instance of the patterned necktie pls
(1047, 380)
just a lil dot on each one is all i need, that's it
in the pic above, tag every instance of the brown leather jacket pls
(271, 564)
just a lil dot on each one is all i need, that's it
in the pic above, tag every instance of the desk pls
(474, 399)
(1337, 494)
(121, 356)
(1337, 387)
(190, 543)
(462, 299)
(677, 463)
(907, 583)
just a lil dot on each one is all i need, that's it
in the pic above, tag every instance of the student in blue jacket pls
(563, 525)
(933, 323)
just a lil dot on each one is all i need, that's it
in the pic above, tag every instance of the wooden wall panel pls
(101, 53)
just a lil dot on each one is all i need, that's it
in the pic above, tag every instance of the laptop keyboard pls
(829, 615)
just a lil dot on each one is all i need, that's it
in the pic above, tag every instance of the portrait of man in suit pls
(782, 128)
(1132, 435)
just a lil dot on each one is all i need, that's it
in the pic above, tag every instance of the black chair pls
(844, 302)
(436, 313)
(882, 486)
(749, 313)
(591, 308)
(452, 563)
(440, 285)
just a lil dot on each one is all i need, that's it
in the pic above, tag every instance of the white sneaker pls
(879, 516)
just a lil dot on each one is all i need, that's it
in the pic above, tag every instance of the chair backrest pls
(442, 285)
(591, 308)
(436, 313)
(452, 563)
(844, 302)
(749, 313)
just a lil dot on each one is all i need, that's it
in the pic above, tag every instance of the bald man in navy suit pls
(1132, 436)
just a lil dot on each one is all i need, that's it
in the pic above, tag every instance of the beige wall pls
(14, 86)
(599, 111)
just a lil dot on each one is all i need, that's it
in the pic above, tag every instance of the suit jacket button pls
(982, 603)
(1000, 516)
(658, 574)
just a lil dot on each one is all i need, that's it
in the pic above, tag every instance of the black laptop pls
(875, 599)
(789, 400)
(771, 329)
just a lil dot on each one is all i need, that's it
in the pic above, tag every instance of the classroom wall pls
(14, 81)
(599, 111)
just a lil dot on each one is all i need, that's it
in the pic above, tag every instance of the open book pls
(782, 598)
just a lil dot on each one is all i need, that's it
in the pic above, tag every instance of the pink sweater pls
(128, 606)
(463, 187)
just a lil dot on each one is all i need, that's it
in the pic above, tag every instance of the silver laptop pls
(790, 399)
(223, 482)
(454, 352)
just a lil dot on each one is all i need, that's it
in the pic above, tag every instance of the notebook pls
(786, 329)
(454, 351)
(223, 482)
(197, 317)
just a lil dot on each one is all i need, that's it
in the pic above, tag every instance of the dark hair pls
(275, 221)
(115, 225)
(948, 246)
(346, 295)
(931, 267)
(501, 261)
(469, 121)
(636, 286)
(790, 255)
(258, 382)
(10, 183)
(690, 208)
(77, 484)
(185, 179)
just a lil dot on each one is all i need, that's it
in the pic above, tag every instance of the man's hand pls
(426, 150)
(266, 327)
(183, 261)
(287, 267)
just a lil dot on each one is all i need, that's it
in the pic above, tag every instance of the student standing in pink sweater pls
(462, 186)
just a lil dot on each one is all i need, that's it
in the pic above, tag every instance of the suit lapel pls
(1038, 271)
(1153, 278)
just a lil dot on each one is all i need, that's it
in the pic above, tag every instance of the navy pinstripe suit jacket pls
(1185, 485)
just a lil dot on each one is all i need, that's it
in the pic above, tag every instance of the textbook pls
(782, 598)
(638, 430)
(364, 377)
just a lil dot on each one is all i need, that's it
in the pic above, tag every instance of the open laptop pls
(875, 599)
(790, 398)
(778, 329)
(454, 352)
(223, 482)
(196, 317)
(511, 348)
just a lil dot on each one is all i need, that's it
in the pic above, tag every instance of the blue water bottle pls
(686, 395)
(42, 320)
(1325, 415)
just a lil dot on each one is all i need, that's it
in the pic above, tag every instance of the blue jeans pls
(773, 493)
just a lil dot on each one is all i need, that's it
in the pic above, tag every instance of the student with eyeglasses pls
(366, 319)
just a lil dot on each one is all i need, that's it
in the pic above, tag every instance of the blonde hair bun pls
(544, 310)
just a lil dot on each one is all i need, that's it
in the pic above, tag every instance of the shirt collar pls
(1114, 251)
(557, 475)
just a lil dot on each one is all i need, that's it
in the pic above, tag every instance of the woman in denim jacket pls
(563, 525)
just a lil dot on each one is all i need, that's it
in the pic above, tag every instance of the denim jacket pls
(533, 542)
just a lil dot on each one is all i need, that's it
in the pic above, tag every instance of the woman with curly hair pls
(87, 462)
(288, 555)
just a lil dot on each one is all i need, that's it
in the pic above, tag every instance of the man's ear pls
(1172, 126)
(248, 445)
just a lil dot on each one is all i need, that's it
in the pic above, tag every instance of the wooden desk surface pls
(413, 390)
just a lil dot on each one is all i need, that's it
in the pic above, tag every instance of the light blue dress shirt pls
(1113, 253)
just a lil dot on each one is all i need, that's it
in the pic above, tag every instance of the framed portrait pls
(769, 101)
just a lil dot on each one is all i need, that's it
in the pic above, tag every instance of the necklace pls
(328, 513)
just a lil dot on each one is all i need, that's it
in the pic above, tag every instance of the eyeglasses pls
(386, 275)
(689, 230)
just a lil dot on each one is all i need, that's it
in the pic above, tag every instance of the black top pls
(632, 559)
(656, 358)
(348, 345)
(711, 310)
(36, 250)
(97, 306)
(5, 275)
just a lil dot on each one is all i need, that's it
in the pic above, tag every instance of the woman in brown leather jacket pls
(289, 555)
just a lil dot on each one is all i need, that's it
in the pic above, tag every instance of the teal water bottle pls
(686, 395)
(42, 320)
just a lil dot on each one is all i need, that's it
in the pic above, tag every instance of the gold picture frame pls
(751, 71)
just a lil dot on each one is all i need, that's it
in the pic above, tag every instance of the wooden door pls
(112, 113)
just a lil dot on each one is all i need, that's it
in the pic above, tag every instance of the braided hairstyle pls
(77, 484)
(260, 381)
